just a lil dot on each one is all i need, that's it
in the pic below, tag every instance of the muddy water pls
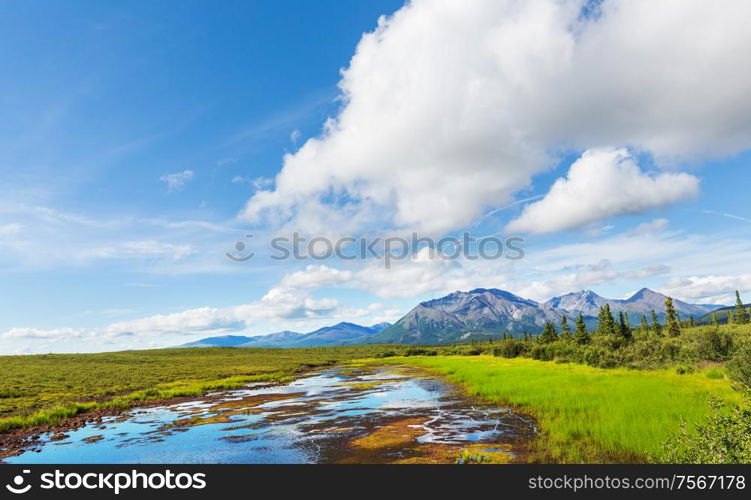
(374, 415)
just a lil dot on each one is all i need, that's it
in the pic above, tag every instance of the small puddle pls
(372, 415)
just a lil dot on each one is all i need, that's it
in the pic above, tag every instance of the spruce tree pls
(565, 329)
(612, 327)
(644, 324)
(549, 334)
(606, 324)
(671, 319)
(715, 320)
(601, 322)
(656, 325)
(582, 335)
(740, 311)
(730, 318)
(623, 327)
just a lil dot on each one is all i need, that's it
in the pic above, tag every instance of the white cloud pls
(257, 183)
(8, 230)
(602, 183)
(137, 250)
(595, 231)
(406, 278)
(53, 333)
(573, 279)
(279, 304)
(451, 107)
(38, 238)
(189, 322)
(653, 227)
(316, 276)
(648, 272)
(712, 289)
(389, 316)
(430, 272)
(729, 216)
(177, 181)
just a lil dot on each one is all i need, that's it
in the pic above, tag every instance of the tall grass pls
(586, 414)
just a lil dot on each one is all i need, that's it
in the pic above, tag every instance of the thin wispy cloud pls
(729, 216)
(177, 181)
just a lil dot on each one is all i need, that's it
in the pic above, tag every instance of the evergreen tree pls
(715, 320)
(606, 324)
(601, 322)
(671, 319)
(740, 310)
(549, 334)
(644, 324)
(656, 325)
(623, 327)
(613, 327)
(582, 335)
(691, 320)
(565, 329)
(730, 318)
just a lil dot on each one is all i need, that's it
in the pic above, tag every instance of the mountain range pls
(463, 316)
(339, 334)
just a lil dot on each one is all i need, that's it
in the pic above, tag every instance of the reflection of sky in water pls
(282, 432)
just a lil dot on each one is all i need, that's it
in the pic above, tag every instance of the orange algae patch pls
(396, 443)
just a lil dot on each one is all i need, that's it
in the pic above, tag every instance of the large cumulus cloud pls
(452, 107)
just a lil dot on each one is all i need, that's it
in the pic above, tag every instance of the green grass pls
(45, 389)
(586, 414)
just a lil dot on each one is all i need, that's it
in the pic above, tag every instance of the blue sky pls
(140, 142)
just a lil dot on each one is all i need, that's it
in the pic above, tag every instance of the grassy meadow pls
(587, 414)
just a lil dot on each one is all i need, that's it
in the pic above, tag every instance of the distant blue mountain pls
(278, 339)
(339, 334)
(225, 341)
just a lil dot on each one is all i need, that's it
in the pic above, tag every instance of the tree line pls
(618, 325)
